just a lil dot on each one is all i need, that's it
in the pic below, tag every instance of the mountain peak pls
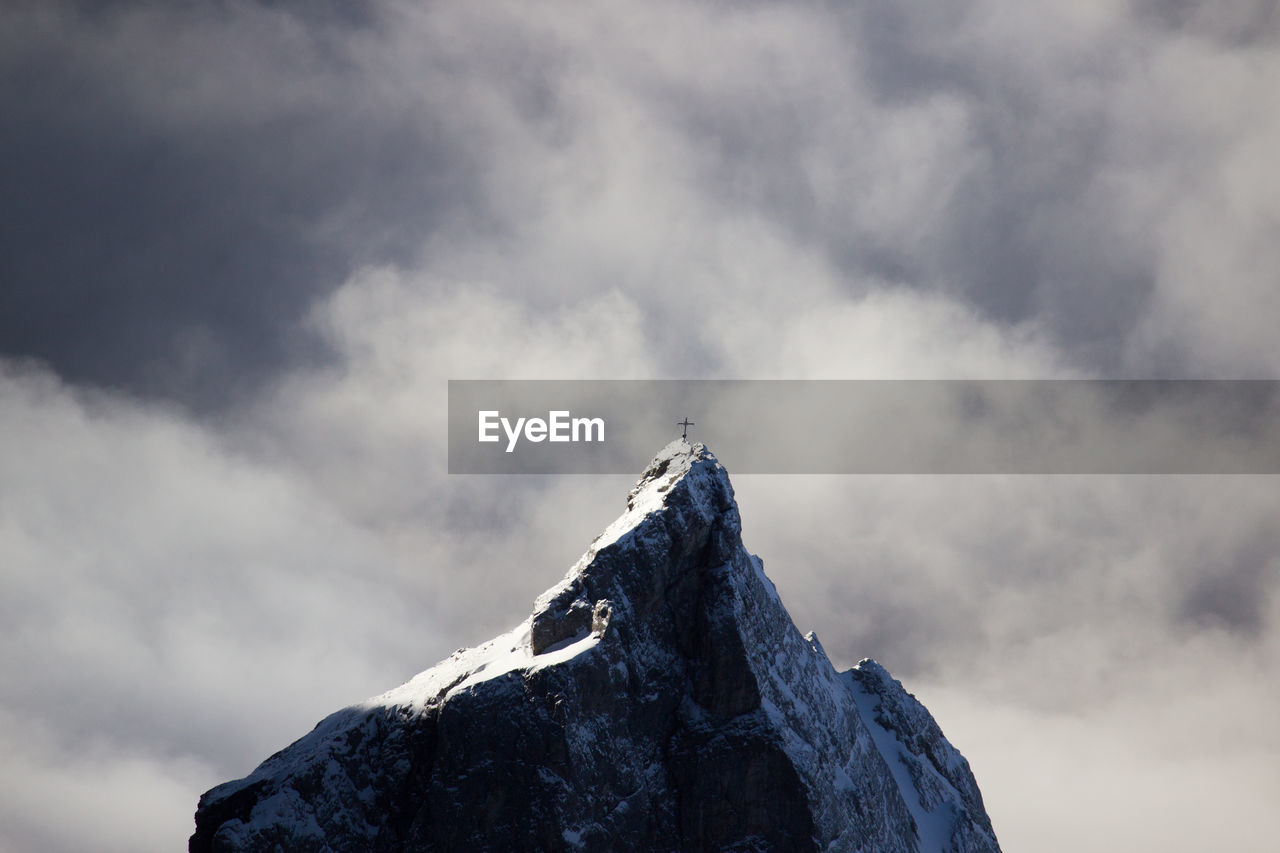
(690, 471)
(658, 697)
(682, 503)
(676, 460)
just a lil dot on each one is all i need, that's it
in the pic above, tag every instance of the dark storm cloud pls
(1021, 236)
(182, 183)
(1058, 159)
(1020, 232)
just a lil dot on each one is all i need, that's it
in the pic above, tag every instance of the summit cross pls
(686, 423)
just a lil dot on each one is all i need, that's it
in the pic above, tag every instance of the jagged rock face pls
(658, 698)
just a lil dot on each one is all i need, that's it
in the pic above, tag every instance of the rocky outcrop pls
(658, 698)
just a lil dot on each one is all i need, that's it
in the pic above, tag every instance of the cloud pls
(1082, 170)
(268, 234)
(163, 597)
(105, 786)
(1157, 769)
(183, 184)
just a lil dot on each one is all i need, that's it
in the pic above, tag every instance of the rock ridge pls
(658, 697)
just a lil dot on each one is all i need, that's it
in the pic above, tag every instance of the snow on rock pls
(658, 697)
(934, 777)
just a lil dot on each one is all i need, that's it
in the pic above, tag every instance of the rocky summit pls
(658, 698)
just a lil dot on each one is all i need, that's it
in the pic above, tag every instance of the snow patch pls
(934, 827)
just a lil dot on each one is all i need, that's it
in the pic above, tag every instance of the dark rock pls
(659, 698)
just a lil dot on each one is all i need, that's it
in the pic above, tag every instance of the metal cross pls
(686, 423)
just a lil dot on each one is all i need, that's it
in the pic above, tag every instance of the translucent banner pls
(869, 427)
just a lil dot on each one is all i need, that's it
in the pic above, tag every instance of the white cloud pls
(687, 191)
(92, 797)
(170, 600)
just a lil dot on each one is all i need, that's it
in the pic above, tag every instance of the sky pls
(243, 245)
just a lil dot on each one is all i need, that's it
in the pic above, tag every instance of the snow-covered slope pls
(658, 698)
